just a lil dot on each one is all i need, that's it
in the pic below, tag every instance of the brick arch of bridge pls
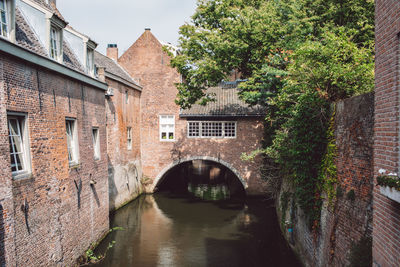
(161, 175)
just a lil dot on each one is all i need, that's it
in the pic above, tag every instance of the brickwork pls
(7, 251)
(55, 214)
(124, 165)
(386, 234)
(349, 218)
(149, 64)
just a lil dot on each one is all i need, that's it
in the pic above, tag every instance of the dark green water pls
(165, 230)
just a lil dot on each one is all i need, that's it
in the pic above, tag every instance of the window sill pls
(167, 140)
(22, 176)
(391, 193)
(74, 165)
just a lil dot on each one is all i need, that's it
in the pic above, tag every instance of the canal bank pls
(176, 230)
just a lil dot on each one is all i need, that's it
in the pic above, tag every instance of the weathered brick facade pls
(146, 61)
(386, 233)
(57, 215)
(348, 219)
(122, 112)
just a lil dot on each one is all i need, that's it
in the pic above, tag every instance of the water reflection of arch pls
(161, 175)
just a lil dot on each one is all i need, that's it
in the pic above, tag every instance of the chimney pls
(112, 51)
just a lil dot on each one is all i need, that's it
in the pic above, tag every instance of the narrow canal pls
(171, 230)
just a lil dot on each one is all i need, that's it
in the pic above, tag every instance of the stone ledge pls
(391, 193)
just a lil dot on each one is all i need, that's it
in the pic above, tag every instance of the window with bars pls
(72, 141)
(167, 127)
(129, 137)
(55, 43)
(96, 143)
(208, 129)
(18, 139)
(4, 25)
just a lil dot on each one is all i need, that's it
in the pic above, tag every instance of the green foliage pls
(390, 181)
(361, 253)
(351, 195)
(328, 174)
(298, 57)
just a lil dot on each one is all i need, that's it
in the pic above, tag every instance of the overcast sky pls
(123, 21)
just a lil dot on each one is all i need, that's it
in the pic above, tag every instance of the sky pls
(123, 21)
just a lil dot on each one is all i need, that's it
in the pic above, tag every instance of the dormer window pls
(90, 61)
(55, 37)
(90, 47)
(55, 43)
(4, 21)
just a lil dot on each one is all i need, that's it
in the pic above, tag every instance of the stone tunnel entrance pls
(205, 179)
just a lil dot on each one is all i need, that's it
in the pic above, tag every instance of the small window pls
(90, 61)
(72, 141)
(209, 129)
(129, 137)
(19, 148)
(96, 143)
(4, 24)
(126, 97)
(55, 43)
(167, 127)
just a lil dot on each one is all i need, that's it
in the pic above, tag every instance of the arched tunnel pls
(205, 179)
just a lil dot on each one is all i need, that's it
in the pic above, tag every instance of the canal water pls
(170, 230)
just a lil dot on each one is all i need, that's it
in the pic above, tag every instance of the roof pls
(227, 104)
(116, 70)
(26, 37)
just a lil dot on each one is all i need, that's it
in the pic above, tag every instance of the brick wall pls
(54, 230)
(7, 251)
(347, 219)
(124, 165)
(386, 233)
(149, 64)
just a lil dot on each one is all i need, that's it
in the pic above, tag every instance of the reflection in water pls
(164, 230)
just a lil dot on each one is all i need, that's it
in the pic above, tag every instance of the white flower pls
(382, 171)
(392, 174)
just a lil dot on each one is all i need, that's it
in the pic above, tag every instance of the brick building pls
(220, 132)
(386, 233)
(123, 129)
(54, 186)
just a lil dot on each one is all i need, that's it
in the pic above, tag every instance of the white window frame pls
(23, 137)
(55, 46)
(200, 129)
(167, 121)
(90, 69)
(96, 143)
(5, 24)
(129, 138)
(73, 147)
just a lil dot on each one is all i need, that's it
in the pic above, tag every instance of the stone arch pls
(160, 176)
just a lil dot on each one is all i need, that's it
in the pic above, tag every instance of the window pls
(208, 129)
(167, 127)
(90, 61)
(129, 137)
(72, 141)
(55, 43)
(96, 143)
(126, 97)
(19, 148)
(4, 24)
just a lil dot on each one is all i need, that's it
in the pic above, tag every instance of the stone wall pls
(348, 218)
(54, 222)
(386, 233)
(124, 165)
(146, 61)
